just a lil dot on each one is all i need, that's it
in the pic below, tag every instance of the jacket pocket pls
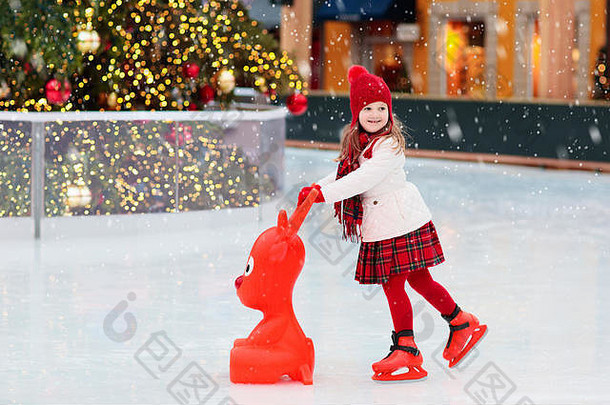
(371, 209)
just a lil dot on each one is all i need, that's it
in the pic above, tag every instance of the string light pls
(215, 38)
(114, 167)
(211, 41)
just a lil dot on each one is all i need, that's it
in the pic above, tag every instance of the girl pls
(375, 203)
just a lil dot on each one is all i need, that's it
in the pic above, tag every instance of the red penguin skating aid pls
(277, 346)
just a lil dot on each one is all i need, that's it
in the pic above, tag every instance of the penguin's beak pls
(238, 282)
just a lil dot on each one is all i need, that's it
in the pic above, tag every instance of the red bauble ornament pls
(185, 135)
(297, 104)
(57, 92)
(206, 94)
(191, 70)
(192, 107)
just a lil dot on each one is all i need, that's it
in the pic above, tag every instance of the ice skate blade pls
(415, 374)
(477, 335)
(399, 381)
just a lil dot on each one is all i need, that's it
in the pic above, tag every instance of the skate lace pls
(453, 328)
(409, 349)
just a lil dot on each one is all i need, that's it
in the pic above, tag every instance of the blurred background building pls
(508, 78)
(512, 49)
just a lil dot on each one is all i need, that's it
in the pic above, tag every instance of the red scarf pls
(351, 215)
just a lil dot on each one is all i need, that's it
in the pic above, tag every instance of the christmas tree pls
(37, 53)
(135, 55)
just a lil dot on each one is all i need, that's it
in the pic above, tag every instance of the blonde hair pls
(351, 137)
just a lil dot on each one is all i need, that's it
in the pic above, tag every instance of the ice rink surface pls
(143, 310)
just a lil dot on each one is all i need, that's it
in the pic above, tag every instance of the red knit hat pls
(366, 88)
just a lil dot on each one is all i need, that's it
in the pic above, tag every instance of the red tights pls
(422, 282)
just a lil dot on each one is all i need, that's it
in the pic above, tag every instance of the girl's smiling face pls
(374, 116)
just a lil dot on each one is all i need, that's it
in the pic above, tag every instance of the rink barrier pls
(266, 151)
(578, 130)
(544, 163)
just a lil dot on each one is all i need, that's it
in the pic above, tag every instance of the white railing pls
(182, 144)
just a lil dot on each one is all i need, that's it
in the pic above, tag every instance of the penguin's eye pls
(250, 266)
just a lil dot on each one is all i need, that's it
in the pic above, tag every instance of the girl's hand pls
(305, 192)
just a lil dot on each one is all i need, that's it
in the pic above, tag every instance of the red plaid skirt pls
(416, 250)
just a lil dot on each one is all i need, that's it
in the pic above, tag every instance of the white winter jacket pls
(392, 206)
